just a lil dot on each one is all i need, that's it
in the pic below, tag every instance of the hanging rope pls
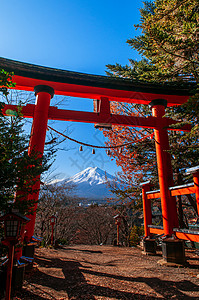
(100, 147)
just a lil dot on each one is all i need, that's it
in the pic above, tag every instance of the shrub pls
(135, 235)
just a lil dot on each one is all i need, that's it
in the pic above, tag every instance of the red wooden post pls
(118, 223)
(146, 207)
(195, 172)
(52, 234)
(9, 270)
(196, 184)
(53, 219)
(169, 209)
(37, 141)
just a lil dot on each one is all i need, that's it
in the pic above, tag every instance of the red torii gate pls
(47, 81)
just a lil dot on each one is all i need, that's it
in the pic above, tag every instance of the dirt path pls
(105, 272)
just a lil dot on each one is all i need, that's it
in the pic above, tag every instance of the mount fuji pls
(92, 184)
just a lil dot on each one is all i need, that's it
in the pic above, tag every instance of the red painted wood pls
(146, 209)
(183, 191)
(156, 231)
(196, 185)
(187, 236)
(169, 209)
(26, 111)
(9, 271)
(37, 142)
(153, 195)
(179, 235)
(74, 90)
(180, 191)
(91, 117)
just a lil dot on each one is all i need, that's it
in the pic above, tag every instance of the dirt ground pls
(107, 272)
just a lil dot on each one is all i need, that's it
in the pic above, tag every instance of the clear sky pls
(78, 35)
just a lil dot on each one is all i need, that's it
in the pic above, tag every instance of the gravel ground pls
(106, 272)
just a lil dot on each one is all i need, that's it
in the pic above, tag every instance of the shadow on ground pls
(76, 287)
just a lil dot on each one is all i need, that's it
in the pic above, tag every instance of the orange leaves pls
(130, 156)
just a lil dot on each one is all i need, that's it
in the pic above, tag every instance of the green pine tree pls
(18, 168)
(168, 45)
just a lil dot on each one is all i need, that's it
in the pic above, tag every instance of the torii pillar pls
(149, 243)
(43, 94)
(146, 208)
(195, 172)
(165, 174)
(172, 249)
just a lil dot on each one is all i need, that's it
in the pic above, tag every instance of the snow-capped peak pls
(92, 176)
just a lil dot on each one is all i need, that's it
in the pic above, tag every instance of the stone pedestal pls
(149, 246)
(17, 279)
(2, 282)
(29, 250)
(173, 251)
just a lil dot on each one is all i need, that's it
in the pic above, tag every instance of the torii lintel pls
(27, 76)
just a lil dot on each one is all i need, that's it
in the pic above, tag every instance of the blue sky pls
(78, 35)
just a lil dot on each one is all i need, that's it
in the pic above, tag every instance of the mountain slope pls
(92, 183)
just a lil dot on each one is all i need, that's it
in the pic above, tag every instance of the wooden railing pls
(186, 189)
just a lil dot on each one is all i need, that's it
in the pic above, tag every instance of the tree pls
(96, 225)
(57, 199)
(137, 159)
(170, 39)
(75, 224)
(5, 81)
(18, 168)
(168, 43)
(169, 47)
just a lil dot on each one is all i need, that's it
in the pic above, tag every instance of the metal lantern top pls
(117, 219)
(13, 222)
(53, 219)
